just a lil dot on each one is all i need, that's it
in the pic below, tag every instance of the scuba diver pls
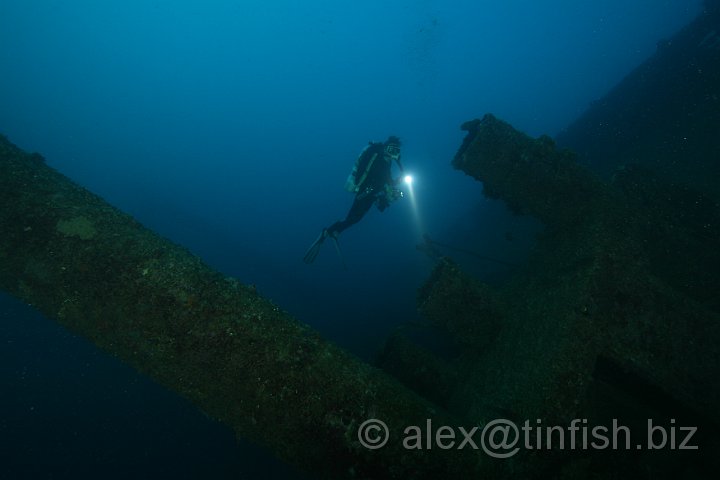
(371, 181)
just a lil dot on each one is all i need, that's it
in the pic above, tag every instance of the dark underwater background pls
(230, 127)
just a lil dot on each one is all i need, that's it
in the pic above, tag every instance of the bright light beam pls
(408, 179)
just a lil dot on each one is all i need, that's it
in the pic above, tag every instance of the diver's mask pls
(392, 151)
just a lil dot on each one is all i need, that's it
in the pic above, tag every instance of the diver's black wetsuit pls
(371, 189)
(373, 182)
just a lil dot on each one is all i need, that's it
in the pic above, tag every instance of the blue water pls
(230, 127)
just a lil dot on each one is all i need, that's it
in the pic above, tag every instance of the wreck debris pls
(590, 328)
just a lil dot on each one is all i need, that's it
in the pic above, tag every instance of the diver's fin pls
(337, 249)
(314, 249)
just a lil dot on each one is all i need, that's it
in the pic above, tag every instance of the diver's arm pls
(398, 180)
(402, 170)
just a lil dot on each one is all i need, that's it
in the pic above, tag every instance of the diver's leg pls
(357, 211)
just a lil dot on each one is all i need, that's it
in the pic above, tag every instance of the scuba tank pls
(362, 167)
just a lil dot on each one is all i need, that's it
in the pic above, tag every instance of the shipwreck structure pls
(601, 326)
(664, 115)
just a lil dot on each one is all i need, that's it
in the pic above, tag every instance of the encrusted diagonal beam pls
(234, 354)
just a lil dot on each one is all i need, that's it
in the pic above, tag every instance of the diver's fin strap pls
(337, 249)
